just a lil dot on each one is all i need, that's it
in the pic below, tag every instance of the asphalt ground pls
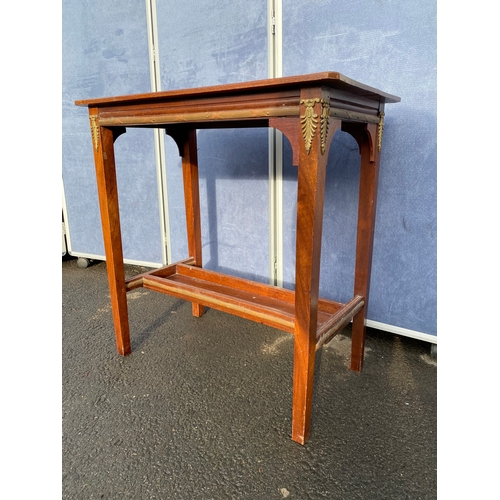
(201, 408)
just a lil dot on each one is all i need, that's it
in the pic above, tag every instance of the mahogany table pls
(308, 109)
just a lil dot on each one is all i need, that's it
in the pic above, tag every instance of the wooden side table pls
(308, 109)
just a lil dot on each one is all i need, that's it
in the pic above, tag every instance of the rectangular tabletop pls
(242, 102)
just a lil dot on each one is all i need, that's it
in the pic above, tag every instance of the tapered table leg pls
(192, 203)
(313, 155)
(103, 140)
(368, 185)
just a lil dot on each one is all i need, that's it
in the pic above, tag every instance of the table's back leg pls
(369, 173)
(187, 144)
(103, 139)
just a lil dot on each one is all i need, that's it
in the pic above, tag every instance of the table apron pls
(227, 115)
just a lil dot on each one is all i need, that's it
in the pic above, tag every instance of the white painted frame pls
(275, 44)
(159, 134)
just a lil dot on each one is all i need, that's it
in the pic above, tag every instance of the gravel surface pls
(201, 408)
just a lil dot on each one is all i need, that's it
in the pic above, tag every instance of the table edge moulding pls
(308, 109)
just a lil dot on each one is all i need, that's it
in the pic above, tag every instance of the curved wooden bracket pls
(179, 135)
(362, 133)
(117, 132)
(332, 125)
(289, 127)
(371, 132)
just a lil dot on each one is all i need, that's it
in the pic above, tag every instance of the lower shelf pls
(258, 302)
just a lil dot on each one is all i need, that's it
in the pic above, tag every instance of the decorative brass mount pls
(380, 130)
(309, 121)
(325, 119)
(94, 126)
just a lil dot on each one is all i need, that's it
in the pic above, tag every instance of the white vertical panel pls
(275, 150)
(159, 134)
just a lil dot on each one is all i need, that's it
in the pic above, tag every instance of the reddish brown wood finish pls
(107, 188)
(365, 135)
(192, 202)
(364, 242)
(301, 107)
(310, 202)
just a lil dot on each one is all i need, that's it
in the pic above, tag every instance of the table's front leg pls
(317, 129)
(103, 144)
